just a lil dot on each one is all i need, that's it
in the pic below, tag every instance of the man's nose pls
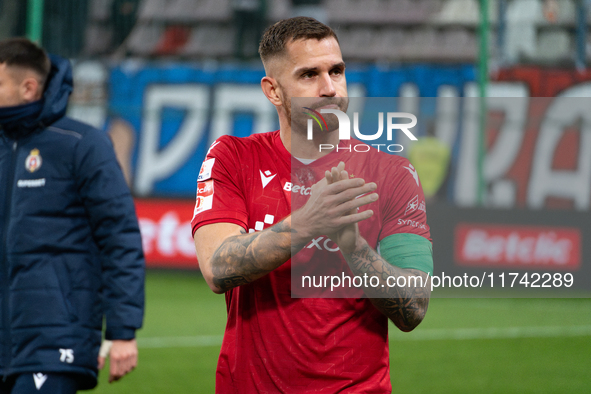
(327, 88)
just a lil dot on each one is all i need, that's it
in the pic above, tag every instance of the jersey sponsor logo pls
(266, 177)
(206, 168)
(322, 243)
(31, 182)
(39, 379)
(33, 161)
(414, 204)
(412, 223)
(304, 191)
(413, 172)
(204, 197)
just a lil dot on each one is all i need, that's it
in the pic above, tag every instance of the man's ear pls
(30, 89)
(271, 89)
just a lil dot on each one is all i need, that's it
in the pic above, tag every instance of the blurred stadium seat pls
(209, 41)
(143, 39)
(278, 9)
(369, 30)
(192, 11)
(553, 45)
(152, 10)
(458, 12)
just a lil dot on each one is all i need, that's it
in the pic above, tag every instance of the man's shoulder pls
(253, 139)
(67, 126)
(245, 146)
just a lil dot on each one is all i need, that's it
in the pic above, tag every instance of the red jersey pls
(273, 342)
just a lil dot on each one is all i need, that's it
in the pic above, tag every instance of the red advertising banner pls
(516, 246)
(165, 225)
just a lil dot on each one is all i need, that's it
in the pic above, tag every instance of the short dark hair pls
(22, 52)
(277, 36)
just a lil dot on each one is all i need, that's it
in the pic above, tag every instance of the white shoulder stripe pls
(66, 132)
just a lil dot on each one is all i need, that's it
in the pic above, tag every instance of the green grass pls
(181, 305)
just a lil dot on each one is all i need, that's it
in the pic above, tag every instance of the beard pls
(298, 112)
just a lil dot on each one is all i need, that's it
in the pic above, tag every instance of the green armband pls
(408, 251)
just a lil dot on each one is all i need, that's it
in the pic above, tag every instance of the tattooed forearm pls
(405, 306)
(244, 258)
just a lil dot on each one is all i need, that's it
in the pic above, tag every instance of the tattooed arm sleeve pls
(406, 306)
(243, 258)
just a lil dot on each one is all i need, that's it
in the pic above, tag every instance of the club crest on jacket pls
(33, 161)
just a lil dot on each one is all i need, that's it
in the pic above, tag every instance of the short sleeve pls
(220, 194)
(404, 209)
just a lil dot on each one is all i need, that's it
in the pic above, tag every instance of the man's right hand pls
(123, 357)
(333, 206)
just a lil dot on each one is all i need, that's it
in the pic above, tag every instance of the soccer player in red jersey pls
(247, 226)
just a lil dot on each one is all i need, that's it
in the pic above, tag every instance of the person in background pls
(71, 252)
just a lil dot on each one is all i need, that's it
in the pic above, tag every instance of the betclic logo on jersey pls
(344, 127)
(204, 196)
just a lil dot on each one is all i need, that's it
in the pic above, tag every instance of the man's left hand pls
(347, 237)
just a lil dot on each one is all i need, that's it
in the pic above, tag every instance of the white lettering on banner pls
(545, 248)
(231, 98)
(502, 155)
(546, 182)
(465, 192)
(155, 162)
(169, 236)
(409, 101)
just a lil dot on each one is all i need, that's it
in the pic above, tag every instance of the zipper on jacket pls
(4, 263)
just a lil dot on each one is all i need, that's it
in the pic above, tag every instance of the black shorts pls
(40, 383)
